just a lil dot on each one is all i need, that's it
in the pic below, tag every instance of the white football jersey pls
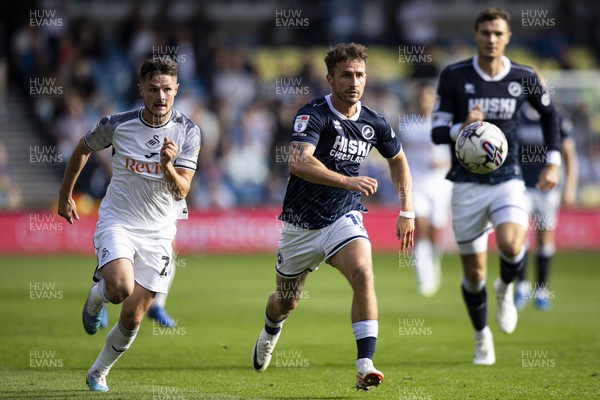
(137, 196)
(414, 131)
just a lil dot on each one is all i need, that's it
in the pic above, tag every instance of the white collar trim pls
(506, 65)
(339, 114)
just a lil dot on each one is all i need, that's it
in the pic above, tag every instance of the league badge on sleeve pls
(301, 123)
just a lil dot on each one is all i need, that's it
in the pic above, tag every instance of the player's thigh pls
(354, 261)
(152, 263)
(509, 213)
(119, 278)
(298, 251)
(544, 209)
(470, 221)
(115, 252)
(135, 307)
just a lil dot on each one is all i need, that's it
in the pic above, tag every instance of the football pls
(481, 147)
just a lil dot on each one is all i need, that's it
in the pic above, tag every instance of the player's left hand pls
(405, 232)
(548, 177)
(168, 151)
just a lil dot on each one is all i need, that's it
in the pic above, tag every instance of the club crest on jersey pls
(154, 142)
(469, 88)
(105, 252)
(515, 89)
(301, 123)
(367, 132)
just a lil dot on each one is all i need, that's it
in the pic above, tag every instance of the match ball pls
(481, 147)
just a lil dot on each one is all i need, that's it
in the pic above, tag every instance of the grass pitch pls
(424, 347)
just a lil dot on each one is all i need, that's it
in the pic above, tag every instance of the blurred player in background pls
(431, 195)
(544, 205)
(155, 151)
(492, 88)
(321, 216)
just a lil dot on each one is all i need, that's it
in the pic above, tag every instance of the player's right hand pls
(364, 184)
(67, 209)
(474, 115)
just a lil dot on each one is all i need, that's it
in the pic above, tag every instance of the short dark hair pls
(490, 14)
(342, 52)
(162, 66)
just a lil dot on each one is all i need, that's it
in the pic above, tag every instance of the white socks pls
(117, 341)
(98, 293)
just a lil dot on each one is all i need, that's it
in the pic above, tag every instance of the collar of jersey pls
(339, 114)
(154, 126)
(499, 76)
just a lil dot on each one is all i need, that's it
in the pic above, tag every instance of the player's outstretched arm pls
(405, 223)
(178, 179)
(66, 205)
(306, 166)
(569, 154)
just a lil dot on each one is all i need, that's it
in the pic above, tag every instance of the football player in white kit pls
(429, 164)
(155, 151)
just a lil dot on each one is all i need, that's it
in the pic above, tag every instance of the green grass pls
(218, 302)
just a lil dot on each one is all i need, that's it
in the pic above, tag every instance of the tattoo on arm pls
(298, 147)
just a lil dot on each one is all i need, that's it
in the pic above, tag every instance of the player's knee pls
(510, 248)
(130, 320)
(362, 275)
(287, 300)
(119, 291)
(474, 275)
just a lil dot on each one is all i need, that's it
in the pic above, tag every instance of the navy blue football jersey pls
(341, 144)
(463, 85)
(532, 151)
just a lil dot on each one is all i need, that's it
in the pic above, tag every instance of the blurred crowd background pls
(246, 67)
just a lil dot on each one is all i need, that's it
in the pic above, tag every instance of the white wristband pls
(455, 131)
(407, 214)
(553, 157)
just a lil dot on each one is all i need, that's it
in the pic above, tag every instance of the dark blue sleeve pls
(443, 110)
(308, 125)
(388, 143)
(565, 126)
(539, 98)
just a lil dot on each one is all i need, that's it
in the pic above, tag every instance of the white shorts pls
(544, 206)
(477, 208)
(150, 252)
(431, 198)
(301, 250)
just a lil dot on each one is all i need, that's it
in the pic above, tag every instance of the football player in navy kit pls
(321, 215)
(544, 205)
(490, 87)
